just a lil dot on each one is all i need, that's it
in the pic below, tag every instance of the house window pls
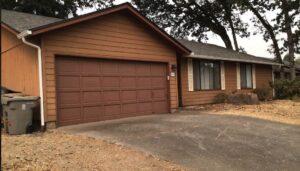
(206, 75)
(246, 76)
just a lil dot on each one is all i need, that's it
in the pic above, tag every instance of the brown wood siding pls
(117, 36)
(19, 68)
(263, 76)
(230, 76)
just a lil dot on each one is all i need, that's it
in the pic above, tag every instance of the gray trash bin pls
(17, 112)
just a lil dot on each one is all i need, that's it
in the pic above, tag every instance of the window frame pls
(251, 66)
(208, 61)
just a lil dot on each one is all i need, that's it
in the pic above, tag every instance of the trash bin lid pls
(6, 98)
(5, 90)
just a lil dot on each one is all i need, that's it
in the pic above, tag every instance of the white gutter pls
(192, 55)
(22, 36)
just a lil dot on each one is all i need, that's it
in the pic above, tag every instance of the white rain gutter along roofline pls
(22, 36)
(193, 55)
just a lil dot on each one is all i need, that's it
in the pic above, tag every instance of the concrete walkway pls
(203, 141)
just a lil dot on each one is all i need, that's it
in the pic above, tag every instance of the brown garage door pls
(92, 89)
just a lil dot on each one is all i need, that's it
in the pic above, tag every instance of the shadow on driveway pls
(203, 141)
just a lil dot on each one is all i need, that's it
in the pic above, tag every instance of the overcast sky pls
(254, 44)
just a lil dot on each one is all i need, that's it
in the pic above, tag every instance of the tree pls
(53, 8)
(259, 8)
(195, 18)
(227, 6)
(285, 19)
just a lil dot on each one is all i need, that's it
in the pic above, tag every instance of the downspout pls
(22, 36)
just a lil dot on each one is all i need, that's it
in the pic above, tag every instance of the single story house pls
(116, 63)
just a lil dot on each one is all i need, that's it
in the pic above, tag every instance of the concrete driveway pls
(205, 142)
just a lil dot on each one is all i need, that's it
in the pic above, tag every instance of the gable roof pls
(20, 21)
(41, 24)
(214, 52)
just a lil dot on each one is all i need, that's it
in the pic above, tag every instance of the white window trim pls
(190, 75)
(222, 75)
(238, 76)
(253, 76)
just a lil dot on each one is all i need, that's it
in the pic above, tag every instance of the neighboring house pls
(116, 63)
(286, 70)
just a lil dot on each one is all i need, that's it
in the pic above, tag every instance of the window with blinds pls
(206, 75)
(246, 75)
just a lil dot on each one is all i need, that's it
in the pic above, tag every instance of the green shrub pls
(263, 93)
(286, 89)
(221, 98)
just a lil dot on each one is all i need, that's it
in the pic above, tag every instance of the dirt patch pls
(60, 151)
(285, 111)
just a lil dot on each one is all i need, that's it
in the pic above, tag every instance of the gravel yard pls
(58, 151)
(284, 111)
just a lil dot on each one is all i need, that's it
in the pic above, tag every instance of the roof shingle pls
(21, 21)
(214, 52)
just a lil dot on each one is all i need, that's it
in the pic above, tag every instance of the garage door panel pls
(144, 95)
(145, 108)
(92, 97)
(91, 83)
(159, 94)
(69, 98)
(111, 96)
(96, 89)
(109, 68)
(160, 107)
(110, 83)
(143, 69)
(92, 113)
(128, 82)
(158, 70)
(69, 114)
(128, 96)
(129, 109)
(66, 66)
(127, 69)
(90, 68)
(70, 122)
(68, 83)
(144, 82)
(112, 110)
(158, 82)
